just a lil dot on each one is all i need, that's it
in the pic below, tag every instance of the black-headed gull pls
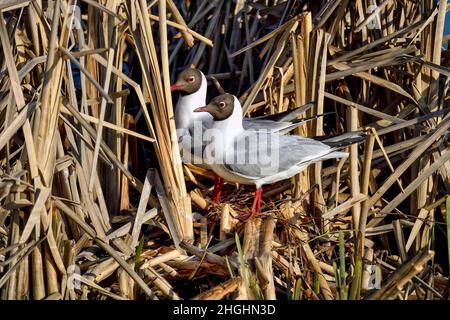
(257, 157)
(191, 126)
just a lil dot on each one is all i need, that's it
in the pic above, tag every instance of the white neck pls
(222, 136)
(232, 126)
(184, 113)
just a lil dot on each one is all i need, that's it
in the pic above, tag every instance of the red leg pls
(218, 184)
(257, 202)
(259, 199)
(256, 207)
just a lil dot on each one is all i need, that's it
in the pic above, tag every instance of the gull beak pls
(202, 109)
(175, 87)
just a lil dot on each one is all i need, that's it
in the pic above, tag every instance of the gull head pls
(188, 81)
(221, 107)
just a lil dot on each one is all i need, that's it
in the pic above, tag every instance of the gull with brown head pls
(192, 126)
(258, 157)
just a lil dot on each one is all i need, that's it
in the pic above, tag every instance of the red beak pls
(202, 109)
(174, 87)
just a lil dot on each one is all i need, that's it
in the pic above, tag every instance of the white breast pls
(184, 113)
(186, 119)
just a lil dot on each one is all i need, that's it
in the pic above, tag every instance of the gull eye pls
(222, 104)
(191, 79)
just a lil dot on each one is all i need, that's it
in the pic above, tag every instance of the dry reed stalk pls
(396, 282)
(221, 291)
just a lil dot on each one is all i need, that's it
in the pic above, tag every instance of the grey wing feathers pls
(288, 115)
(265, 154)
(267, 125)
(281, 127)
(188, 140)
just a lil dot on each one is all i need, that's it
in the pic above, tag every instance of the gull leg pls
(256, 208)
(218, 184)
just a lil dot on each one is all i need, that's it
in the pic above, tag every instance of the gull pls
(191, 126)
(259, 158)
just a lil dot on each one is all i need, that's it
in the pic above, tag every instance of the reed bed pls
(95, 201)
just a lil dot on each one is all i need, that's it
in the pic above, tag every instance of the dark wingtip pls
(312, 118)
(346, 139)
